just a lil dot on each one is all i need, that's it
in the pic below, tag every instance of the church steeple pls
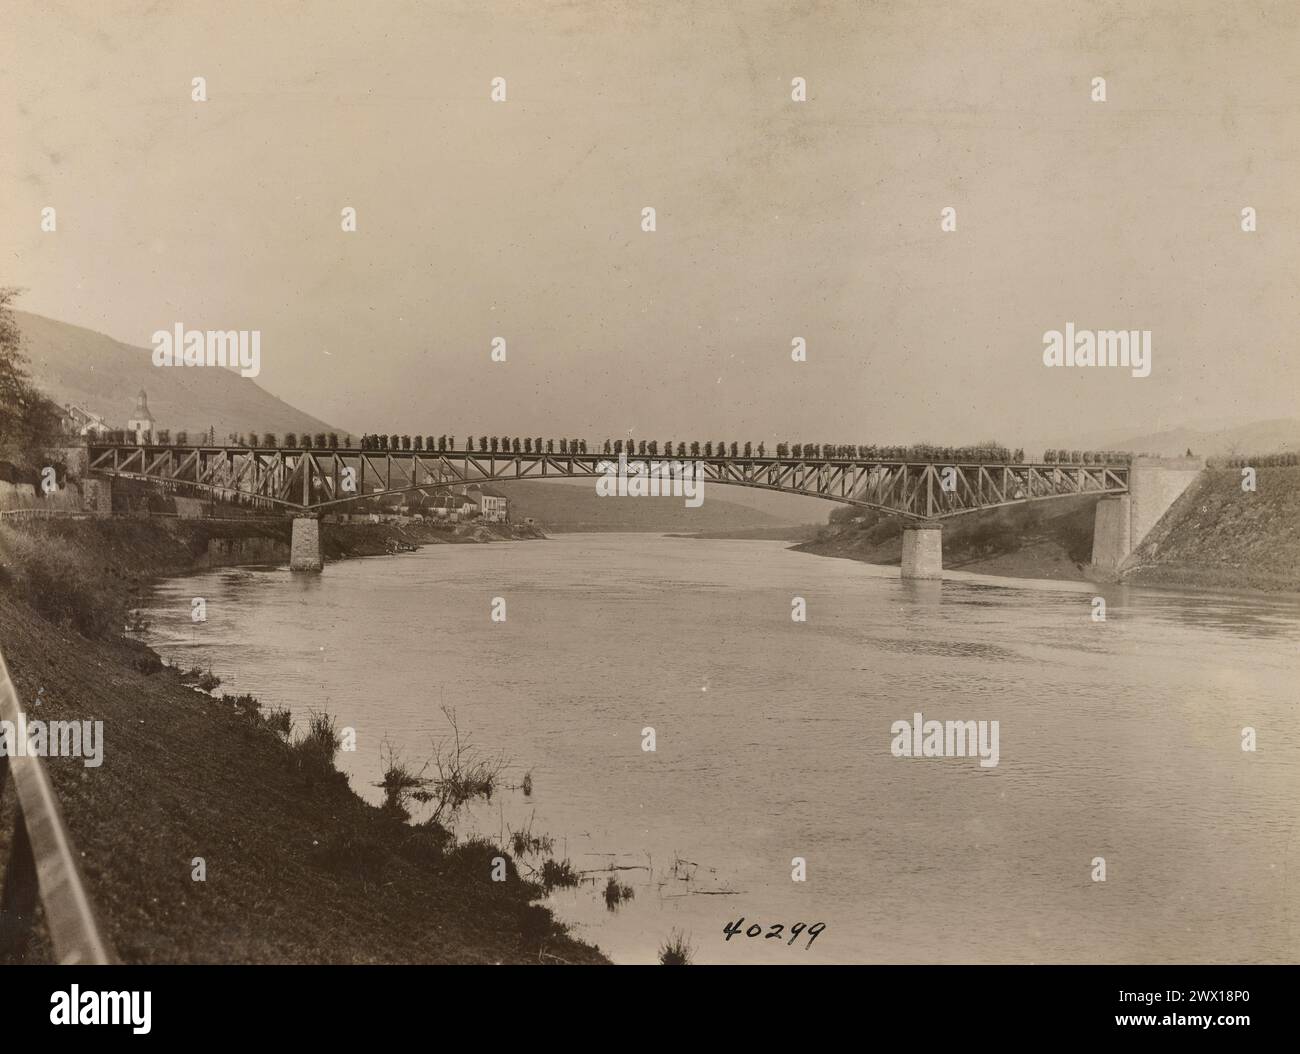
(141, 422)
(142, 408)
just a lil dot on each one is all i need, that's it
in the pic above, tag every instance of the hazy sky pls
(776, 219)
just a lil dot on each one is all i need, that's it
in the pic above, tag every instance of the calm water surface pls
(1119, 739)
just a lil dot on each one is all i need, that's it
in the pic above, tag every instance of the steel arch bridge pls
(305, 481)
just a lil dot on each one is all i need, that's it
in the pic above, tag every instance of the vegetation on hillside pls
(72, 364)
(28, 420)
(1058, 534)
(299, 868)
(1220, 534)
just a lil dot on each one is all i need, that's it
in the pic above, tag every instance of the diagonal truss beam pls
(319, 480)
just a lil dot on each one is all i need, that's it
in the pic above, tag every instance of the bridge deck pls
(306, 480)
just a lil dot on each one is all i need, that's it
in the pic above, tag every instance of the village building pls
(491, 505)
(141, 421)
(79, 421)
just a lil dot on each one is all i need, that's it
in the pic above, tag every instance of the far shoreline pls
(976, 577)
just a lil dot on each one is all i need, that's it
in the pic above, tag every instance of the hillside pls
(1041, 540)
(560, 506)
(1205, 440)
(1217, 535)
(76, 365)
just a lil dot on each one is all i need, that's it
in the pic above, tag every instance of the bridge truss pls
(312, 481)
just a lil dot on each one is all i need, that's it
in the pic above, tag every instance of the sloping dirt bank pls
(1218, 535)
(298, 867)
(1042, 540)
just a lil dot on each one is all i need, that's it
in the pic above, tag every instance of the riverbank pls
(1219, 536)
(802, 533)
(1216, 536)
(1049, 540)
(298, 868)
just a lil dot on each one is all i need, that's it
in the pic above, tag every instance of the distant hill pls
(571, 507)
(1260, 437)
(75, 365)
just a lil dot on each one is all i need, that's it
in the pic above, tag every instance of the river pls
(1119, 740)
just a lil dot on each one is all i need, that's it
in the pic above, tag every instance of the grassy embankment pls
(1217, 536)
(1040, 540)
(299, 868)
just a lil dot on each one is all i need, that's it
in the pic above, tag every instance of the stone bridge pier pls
(305, 550)
(923, 551)
(1123, 521)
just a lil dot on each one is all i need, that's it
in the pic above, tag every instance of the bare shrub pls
(616, 892)
(462, 773)
(558, 874)
(525, 843)
(676, 950)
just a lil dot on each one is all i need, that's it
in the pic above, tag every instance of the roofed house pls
(492, 505)
(79, 421)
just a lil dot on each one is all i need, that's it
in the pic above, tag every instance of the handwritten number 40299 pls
(775, 932)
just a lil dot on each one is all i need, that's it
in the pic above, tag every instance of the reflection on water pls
(1118, 739)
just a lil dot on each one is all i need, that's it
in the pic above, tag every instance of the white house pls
(490, 506)
(79, 421)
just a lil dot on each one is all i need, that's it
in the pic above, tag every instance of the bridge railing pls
(18, 515)
(26, 514)
(42, 861)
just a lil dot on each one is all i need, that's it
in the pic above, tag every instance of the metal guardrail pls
(80, 514)
(42, 862)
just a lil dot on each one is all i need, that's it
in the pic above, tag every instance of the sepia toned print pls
(648, 483)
